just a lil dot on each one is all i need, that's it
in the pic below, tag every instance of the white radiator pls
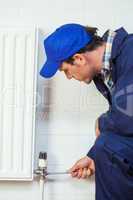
(18, 60)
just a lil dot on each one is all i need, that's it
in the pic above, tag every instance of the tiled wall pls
(65, 120)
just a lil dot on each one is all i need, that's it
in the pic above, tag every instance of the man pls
(83, 55)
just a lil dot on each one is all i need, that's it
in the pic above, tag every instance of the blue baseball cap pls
(64, 42)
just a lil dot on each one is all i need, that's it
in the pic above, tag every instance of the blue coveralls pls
(113, 149)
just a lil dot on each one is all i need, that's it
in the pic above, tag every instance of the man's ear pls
(79, 59)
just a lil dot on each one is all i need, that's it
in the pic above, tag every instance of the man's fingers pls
(92, 167)
(71, 170)
(83, 168)
(74, 168)
(84, 173)
(74, 174)
(89, 172)
(79, 173)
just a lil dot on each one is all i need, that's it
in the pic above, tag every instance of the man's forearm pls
(97, 130)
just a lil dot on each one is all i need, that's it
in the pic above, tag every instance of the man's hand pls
(97, 131)
(83, 168)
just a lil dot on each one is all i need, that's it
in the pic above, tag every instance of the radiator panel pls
(18, 58)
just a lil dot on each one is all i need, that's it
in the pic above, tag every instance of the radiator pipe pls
(42, 167)
(42, 172)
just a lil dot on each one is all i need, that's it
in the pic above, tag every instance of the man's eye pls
(65, 71)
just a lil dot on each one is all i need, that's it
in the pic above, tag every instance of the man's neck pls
(101, 54)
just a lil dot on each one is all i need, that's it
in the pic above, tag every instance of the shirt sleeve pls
(91, 152)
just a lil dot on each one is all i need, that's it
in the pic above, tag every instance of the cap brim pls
(49, 69)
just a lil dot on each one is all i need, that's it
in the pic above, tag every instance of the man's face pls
(85, 65)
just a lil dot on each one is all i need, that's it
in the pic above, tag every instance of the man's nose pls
(68, 75)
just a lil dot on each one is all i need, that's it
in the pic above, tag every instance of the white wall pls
(66, 110)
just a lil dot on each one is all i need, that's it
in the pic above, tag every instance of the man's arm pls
(119, 117)
(97, 133)
(97, 130)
